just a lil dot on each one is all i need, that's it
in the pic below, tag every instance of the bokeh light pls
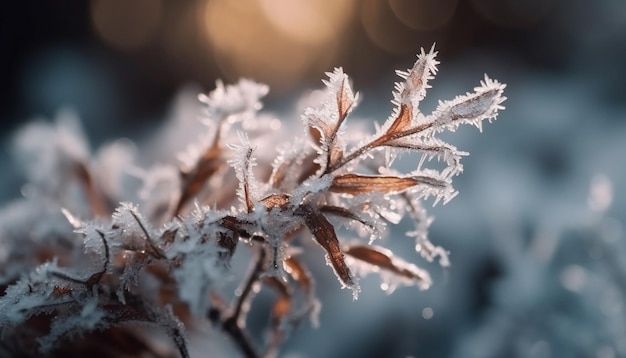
(385, 30)
(124, 24)
(277, 42)
(423, 15)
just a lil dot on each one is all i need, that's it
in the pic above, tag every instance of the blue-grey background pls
(536, 270)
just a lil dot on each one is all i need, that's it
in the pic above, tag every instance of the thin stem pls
(243, 300)
(234, 324)
(355, 154)
(385, 138)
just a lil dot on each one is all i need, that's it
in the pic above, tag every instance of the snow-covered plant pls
(160, 257)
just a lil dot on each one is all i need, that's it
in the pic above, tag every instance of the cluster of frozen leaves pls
(162, 259)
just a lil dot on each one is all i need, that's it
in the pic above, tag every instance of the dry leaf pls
(276, 200)
(194, 180)
(355, 184)
(402, 121)
(324, 233)
(384, 259)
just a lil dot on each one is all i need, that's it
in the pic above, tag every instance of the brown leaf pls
(324, 233)
(194, 180)
(319, 127)
(316, 134)
(355, 184)
(345, 213)
(276, 200)
(344, 102)
(282, 306)
(95, 198)
(335, 155)
(384, 259)
(300, 274)
(402, 121)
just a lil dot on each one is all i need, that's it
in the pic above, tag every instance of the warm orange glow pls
(276, 42)
(310, 21)
(126, 24)
(423, 15)
(385, 30)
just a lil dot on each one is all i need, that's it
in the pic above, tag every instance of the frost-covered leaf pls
(244, 97)
(413, 89)
(393, 270)
(354, 184)
(132, 232)
(324, 233)
(324, 122)
(292, 166)
(195, 177)
(90, 318)
(471, 108)
(243, 164)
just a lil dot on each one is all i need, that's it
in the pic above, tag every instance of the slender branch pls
(387, 137)
(234, 324)
(355, 154)
(243, 300)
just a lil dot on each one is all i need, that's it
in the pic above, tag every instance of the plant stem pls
(234, 324)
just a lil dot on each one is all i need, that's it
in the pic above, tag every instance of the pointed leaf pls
(402, 120)
(413, 89)
(345, 99)
(384, 259)
(471, 108)
(346, 213)
(324, 233)
(193, 180)
(355, 184)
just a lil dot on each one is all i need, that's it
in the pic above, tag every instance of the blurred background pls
(536, 235)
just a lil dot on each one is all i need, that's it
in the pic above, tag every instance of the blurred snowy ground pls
(536, 235)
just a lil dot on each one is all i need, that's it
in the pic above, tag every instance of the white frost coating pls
(129, 226)
(90, 318)
(234, 99)
(355, 287)
(326, 117)
(391, 280)
(311, 186)
(413, 90)
(243, 163)
(471, 108)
